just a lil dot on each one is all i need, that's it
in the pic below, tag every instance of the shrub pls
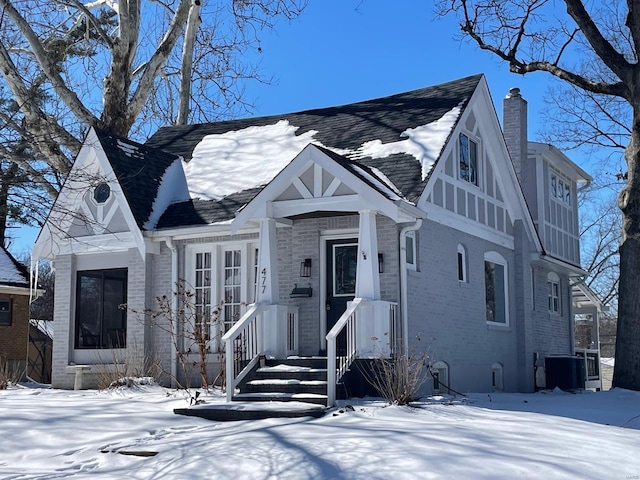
(120, 372)
(398, 378)
(8, 375)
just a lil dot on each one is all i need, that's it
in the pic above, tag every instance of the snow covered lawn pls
(65, 434)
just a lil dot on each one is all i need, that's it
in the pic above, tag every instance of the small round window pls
(101, 193)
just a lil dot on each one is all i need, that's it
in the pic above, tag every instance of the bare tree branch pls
(48, 66)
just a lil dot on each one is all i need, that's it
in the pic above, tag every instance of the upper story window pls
(101, 193)
(560, 189)
(468, 159)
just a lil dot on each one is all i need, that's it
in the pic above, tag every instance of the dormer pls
(556, 200)
(549, 180)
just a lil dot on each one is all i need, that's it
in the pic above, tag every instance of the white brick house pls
(398, 222)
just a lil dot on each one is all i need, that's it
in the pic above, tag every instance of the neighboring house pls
(40, 350)
(14, 314)
(398, 222)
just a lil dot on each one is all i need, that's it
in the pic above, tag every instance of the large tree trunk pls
(6, 180)
(117, 84)
(627, 367)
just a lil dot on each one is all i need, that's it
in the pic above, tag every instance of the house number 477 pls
(263, 279)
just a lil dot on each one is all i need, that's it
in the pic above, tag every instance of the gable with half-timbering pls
(473, 187)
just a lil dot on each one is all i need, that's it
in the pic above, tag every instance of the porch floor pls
(238, 410)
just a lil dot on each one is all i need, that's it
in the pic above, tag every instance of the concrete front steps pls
(300, 379)
(290, 388)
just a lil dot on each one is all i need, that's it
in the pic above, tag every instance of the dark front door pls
(342, 258)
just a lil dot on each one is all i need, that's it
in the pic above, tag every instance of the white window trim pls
(495, 257)
(217, 250)
(442, 369)
(414, 264)
(554, 279)
(567, 187)
(479, 162)
(462, 253)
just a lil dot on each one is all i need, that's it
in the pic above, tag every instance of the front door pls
(342, 258)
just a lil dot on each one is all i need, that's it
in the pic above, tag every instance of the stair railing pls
(242, 347)
(339, 362)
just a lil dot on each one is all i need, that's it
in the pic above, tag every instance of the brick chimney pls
(514, 119)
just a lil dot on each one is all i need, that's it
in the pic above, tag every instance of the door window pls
(344, 270)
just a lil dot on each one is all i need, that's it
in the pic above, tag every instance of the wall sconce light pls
(380, 263)
(305, 268)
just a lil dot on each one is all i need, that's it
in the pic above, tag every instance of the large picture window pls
(100, 322)
(495, 278)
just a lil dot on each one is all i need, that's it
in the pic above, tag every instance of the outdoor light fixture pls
(305, 268)
(380, 263)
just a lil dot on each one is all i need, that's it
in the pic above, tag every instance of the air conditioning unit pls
(565, 372)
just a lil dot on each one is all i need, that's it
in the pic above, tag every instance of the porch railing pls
(593, 378)
(338, 362)
(242, 346)
(246, 340)
(342, 343)
(395, 330)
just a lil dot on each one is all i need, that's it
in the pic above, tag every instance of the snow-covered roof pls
(12, 273)
(44, 326)
(237, 160)
(398, 138)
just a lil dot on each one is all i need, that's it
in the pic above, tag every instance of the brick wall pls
(303, 240)
(447, 318)
(13, 338)
(62, 325)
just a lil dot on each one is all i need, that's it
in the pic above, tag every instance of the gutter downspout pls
(403, 280)
(174, 308)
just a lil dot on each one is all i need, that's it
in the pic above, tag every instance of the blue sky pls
(343, 51)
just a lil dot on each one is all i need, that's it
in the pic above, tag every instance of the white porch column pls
(274, 328)
(368, 277)
(267, 281)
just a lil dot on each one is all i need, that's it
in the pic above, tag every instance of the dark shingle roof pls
(342, 127)
(139, 170)
(346, 126)
(204, 212)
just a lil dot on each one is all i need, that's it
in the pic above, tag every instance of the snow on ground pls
(51, 434)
